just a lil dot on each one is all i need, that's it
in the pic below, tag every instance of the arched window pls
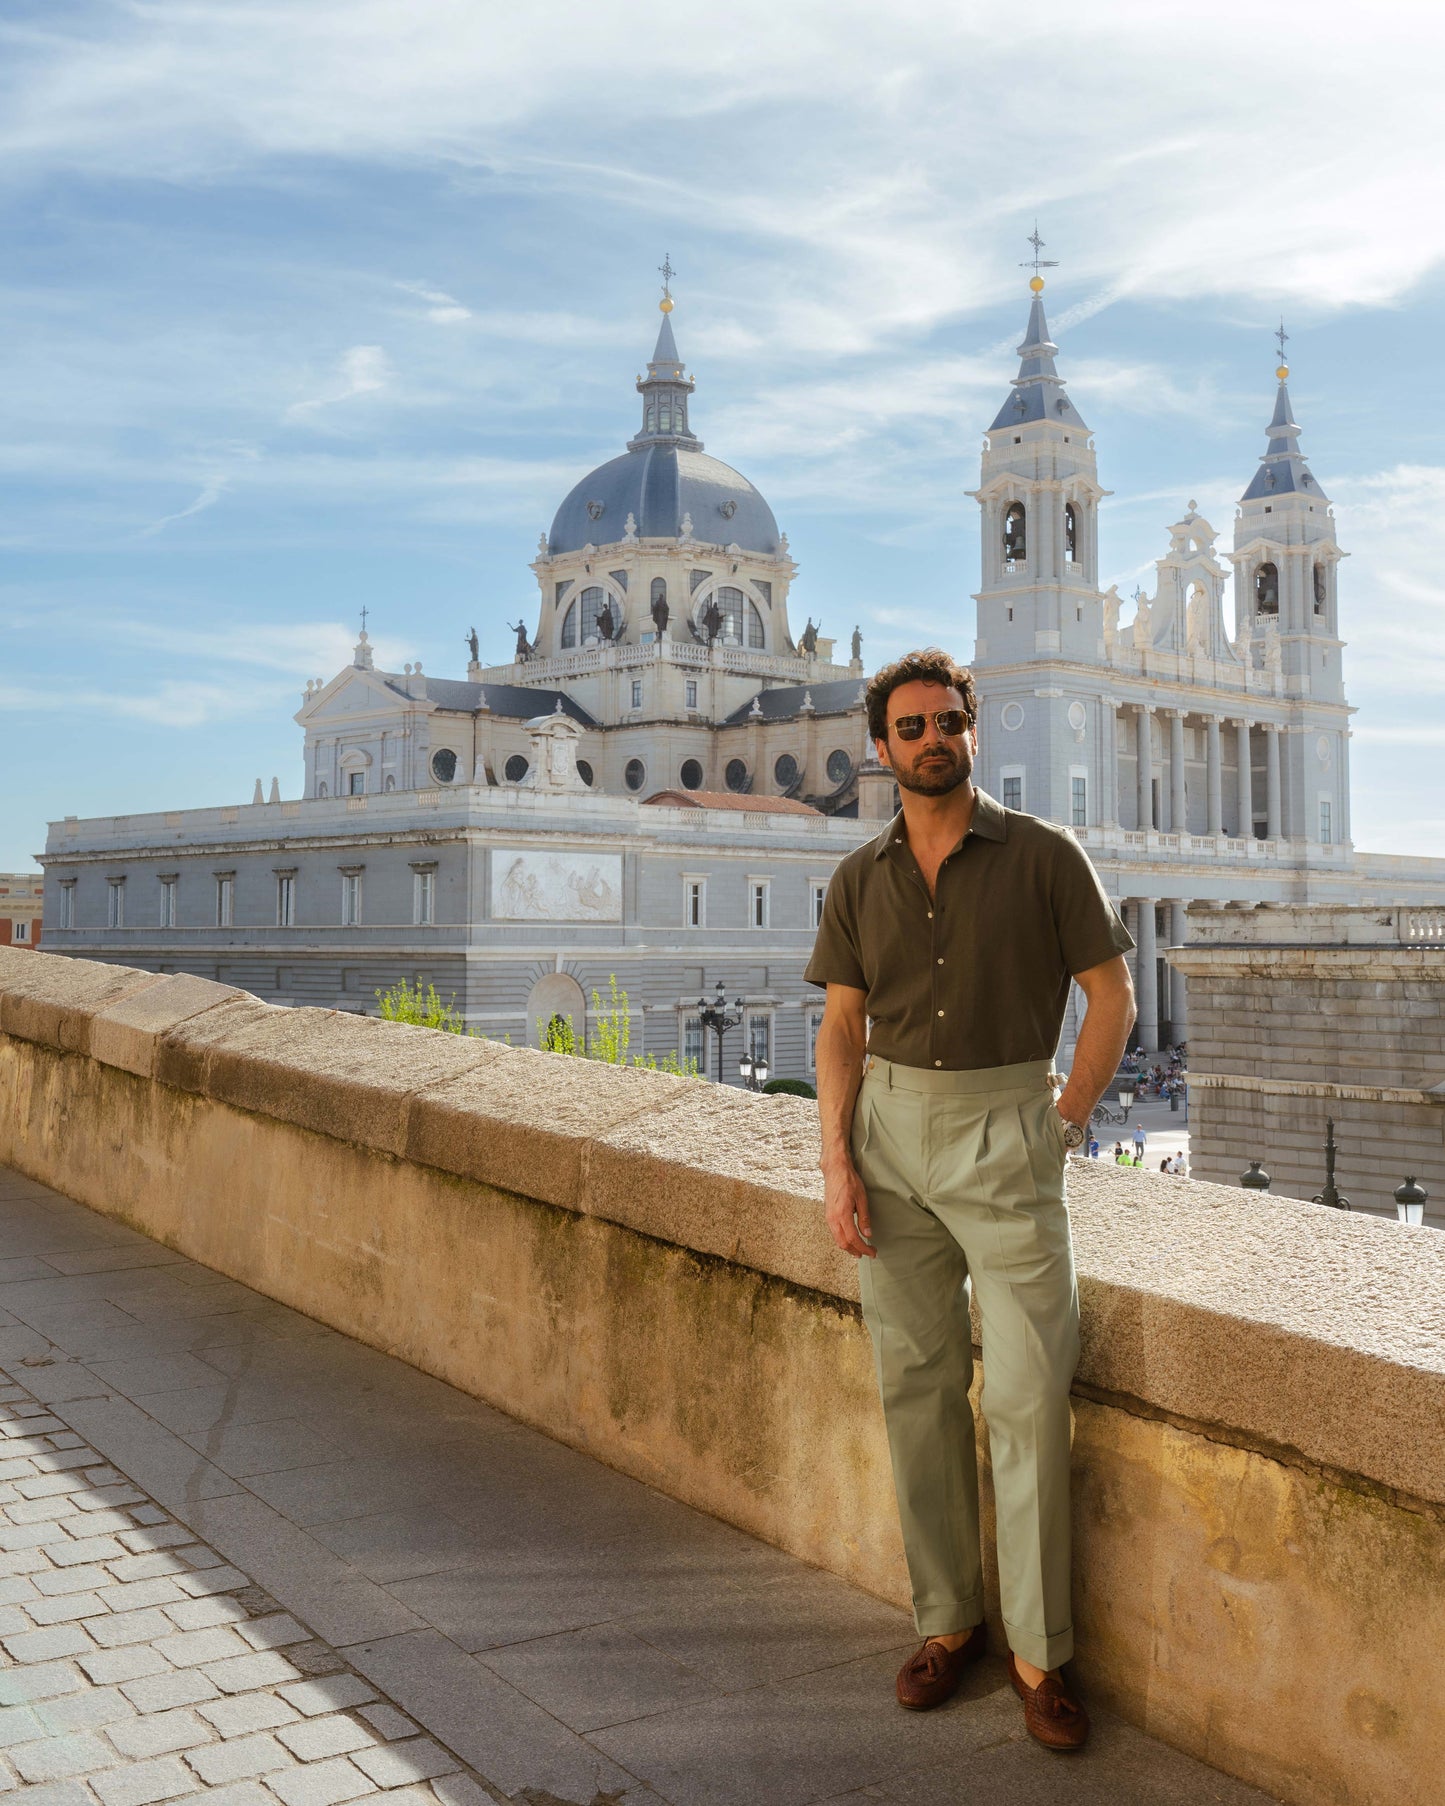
(651, 417)
(1071, 534)
(1320, 591)
(591, 599)
(569, 626)
(741, 621)
(1015, 541)
(659, 591)
(1266, 590)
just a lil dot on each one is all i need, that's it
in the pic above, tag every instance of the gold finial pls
(666, 271)
(1283, 370)
(1037, 263)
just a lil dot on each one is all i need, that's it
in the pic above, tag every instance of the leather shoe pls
(1052, 1716)
(932, 1675)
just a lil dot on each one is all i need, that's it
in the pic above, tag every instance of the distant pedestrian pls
(1140, 1139)
(1119, 1155)
(1093, 1147)
(1165, 1165)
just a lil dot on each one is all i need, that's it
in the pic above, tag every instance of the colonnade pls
(1167, 812)
(1156, 1004)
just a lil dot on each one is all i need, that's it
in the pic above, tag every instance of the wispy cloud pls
(363, 370)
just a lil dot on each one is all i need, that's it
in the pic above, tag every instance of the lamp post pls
(1127, 1094)
(1410, 1201)
(719, 1018)
(1256, 1179)
(1330, 1196)
(754, 1072)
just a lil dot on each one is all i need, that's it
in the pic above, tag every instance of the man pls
(1141, 1140)
(1093, 1147)
(956, 933)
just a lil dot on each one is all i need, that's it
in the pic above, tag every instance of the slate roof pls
(1282, 469)
(514, 701)
(726, 799)
(835, 698)
(1038, 390)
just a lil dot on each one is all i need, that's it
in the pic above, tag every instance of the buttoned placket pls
(934, 912)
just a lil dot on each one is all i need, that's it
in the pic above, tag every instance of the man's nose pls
(932, 731)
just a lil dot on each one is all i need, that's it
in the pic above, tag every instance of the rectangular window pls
(694, 903)
(758, 903)
(692, 692)
(168, 902)
(286, 900)
(351, 899)
(115, 904)
(760, 1039)
(692, 1048)
(637, 692)
(20, 931)
(356, 783)
(225, 901)
(819, 895)
(67, 904)
(1013, 793)
(1079, 802)
(814, 1023)
(1327, 833)
(423, 898)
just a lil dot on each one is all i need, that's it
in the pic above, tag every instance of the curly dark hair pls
(931, 665)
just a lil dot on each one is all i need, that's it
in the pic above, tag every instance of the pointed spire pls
(1282, 470)
(667, 388)
(1038, 389)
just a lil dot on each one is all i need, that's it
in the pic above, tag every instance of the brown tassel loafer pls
(1052, 1716)
(932, 1675)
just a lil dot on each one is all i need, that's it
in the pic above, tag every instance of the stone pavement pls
(247, 1560)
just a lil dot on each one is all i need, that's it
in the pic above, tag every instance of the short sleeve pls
(836, 959)
(1089, 928)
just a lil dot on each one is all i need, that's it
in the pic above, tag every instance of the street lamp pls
(719, 1018)
(754, 1072)
(1127, 1094)
(1410, 1201)
(1256, 1179)
(1330, 1196)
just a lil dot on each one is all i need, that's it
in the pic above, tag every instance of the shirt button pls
(938, 1062)
(940, 1012)
(930, 915)
(940, 962)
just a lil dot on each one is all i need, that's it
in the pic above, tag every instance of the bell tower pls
(1286, 603)
(1040, 611)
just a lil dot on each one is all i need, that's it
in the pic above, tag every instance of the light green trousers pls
(965, 1179)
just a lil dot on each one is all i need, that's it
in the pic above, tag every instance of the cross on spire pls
(1037, 263)
(1281, 335)
(666, 271)
(365, 612)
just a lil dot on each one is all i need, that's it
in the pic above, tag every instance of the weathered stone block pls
(52, 1000)
(126, 1033)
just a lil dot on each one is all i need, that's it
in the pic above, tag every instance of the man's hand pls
(845, 1204)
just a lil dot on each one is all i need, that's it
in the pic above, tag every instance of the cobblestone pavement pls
(246, 1558)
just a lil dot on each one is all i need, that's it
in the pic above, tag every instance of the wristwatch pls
(1073, 1135)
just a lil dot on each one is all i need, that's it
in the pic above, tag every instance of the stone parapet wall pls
(637, 1264)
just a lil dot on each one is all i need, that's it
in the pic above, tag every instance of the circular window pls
(840, 767)
(785, 770)
(515, 769)
(691, 775)
(634, 774)
(1012, 716)
(584, 771)
(444, 765)
(1077, 716)
(735, 774)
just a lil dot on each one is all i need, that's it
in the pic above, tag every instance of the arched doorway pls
(555, 995)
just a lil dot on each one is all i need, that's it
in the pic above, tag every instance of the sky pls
(314, 305)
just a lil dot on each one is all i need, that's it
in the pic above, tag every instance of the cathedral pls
(660, 781)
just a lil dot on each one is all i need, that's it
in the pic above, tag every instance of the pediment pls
(353, 692)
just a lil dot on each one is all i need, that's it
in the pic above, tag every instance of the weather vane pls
(666, 271)
(1282, 335)
(1037, 263)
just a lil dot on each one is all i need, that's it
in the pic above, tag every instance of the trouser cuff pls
(1043, 1652)
(943, 1620)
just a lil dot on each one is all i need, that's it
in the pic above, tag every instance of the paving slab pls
(247, 1561)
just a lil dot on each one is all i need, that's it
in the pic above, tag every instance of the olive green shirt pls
(978, 974)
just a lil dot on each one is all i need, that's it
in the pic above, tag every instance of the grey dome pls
(658, 484)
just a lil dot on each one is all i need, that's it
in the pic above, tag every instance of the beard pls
(936, 771)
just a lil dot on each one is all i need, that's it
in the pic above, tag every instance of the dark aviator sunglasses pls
(949, 722)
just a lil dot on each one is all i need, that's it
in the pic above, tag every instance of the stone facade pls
(21, 908)
(1301, 1014)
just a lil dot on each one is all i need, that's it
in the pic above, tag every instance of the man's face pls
(935, 763)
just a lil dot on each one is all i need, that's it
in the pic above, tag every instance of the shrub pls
(609, 1038)
(789, 1088)
(404, 1002)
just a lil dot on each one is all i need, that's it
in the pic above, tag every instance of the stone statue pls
(475, 645)
(857, 645)
(524, 648)
(1111, 611)
(712, 619)
(660, 613)
(606, 623)
(809, 639)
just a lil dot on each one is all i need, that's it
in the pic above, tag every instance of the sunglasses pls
(949, 722)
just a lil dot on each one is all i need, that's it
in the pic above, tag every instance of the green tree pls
(609, 1037)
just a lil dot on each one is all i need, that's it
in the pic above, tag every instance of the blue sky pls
(307, 306)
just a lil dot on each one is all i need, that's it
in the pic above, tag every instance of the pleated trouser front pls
(965, 1179)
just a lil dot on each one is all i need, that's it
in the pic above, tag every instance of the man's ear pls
(880, 747)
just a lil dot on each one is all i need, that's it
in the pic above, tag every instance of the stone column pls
(1245, 829)
(1146, 1029)
(1109, 814)
(1145, 717)
(1178, 816)
(1275, 827)
(1216, 779)
(1178, 1010)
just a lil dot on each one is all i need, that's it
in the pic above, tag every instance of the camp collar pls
(990, 822)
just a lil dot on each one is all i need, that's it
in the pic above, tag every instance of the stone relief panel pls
(556, 887)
